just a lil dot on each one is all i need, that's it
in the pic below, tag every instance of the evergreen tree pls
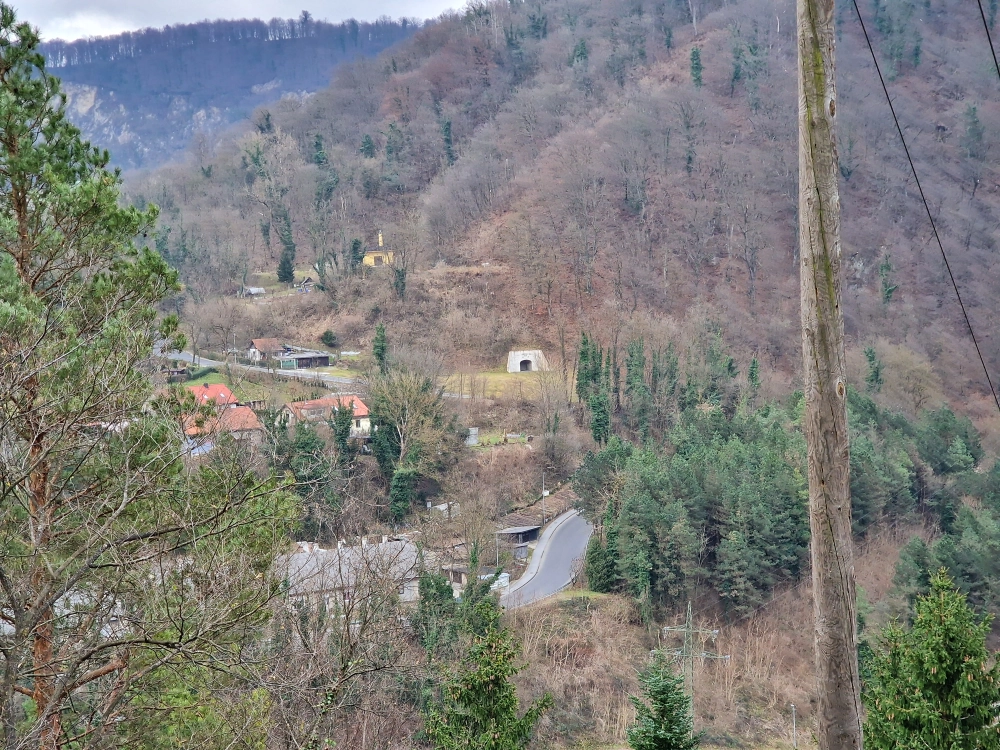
(696, 67)
(663, 718)
(99, 605)
(599, 566)
(885, 270)
(394, 142)
(449, 152)
(637, 393)
(356, 255)
(367, 147)
(480, 708)
(753, 374)
(286, 268)
(436, 618)
(934, 686)
(580, 53)
(873, 380)
(343, 421)
(583, 369)
(320, 158)
(600, 416)
(401, 492)
(380, 349)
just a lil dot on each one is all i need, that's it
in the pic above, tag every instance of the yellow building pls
(378, 257)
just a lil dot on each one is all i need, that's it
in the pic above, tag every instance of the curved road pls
(554, 561)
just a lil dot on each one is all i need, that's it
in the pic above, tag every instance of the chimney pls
(364, 541)
(340, 544)
(384, 539)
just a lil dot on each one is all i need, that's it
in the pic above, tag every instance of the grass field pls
(242, 389)
(494, 383)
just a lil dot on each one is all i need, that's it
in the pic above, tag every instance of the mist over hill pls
(144, 94)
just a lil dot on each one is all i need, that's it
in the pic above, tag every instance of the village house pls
(214, 393)
(262, 350)
(239, 421)
(321, 410)
(287, 357)
(349, 574)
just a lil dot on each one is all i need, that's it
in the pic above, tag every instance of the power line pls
(927, 208)
(989, 37)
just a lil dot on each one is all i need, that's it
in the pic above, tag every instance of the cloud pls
(74, 19)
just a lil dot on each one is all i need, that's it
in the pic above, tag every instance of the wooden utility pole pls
(838, 724)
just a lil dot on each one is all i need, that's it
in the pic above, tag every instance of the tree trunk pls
(839, 703)
(43, 634)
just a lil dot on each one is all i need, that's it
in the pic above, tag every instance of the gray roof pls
(325, 570)
(518, 529)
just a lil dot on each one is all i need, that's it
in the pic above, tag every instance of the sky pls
(75, 19)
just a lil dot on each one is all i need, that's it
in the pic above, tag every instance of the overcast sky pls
(73, 19)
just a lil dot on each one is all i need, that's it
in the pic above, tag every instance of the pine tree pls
(380, 349)
(934, 686)
(286, 267)
(449, 152)
(753, 374)
(663, 719)
(99, 606)
(873, 380)
(320, 158)
(599, 566)
(696, 67)
(583, 369)
(367, 147)
(600, 416)
(480, 709)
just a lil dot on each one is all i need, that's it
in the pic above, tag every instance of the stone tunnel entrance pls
(525, 365)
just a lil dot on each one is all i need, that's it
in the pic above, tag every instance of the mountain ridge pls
(144, 95)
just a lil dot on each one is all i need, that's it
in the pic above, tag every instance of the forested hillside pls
(610, 182)
(145, 94)
(624, 169)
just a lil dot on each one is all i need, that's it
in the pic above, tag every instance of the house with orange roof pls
(320, 410)
(238, 421)
(214, 393)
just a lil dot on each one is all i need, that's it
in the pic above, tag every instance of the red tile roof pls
(232, 419)
(217, 393)
(324, 408)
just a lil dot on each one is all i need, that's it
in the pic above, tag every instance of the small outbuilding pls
(527, 360)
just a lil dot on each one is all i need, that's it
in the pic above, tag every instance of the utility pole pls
(687, 652)
(838, 715)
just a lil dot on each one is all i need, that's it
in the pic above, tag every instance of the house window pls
(357, 422)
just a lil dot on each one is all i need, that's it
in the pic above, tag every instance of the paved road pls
(553, 563)
(303, 374)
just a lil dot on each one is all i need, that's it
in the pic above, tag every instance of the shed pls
(526, 360)
(520, 534)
